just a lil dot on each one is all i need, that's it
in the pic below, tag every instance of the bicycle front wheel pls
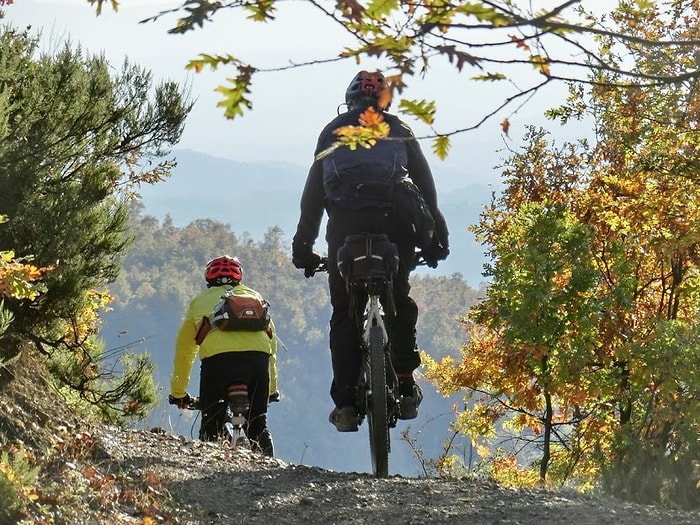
(377, 409)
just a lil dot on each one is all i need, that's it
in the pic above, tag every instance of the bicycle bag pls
(367, 256)
(241, 312)
(412, 214)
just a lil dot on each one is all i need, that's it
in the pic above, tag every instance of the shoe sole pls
(407, 408)
(344, 428)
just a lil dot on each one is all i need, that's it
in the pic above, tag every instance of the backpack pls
(241, 312)
(236, 312)
(364, 177)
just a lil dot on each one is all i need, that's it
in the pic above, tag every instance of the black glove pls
(303, 256)
(443, 235)
(181, 402)
(274, 397)
(436, 252)
(439, 248)
(308, 262)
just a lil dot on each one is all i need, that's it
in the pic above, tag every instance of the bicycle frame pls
(378, 386)
(368, 263)
(237, 415)
(237, 407)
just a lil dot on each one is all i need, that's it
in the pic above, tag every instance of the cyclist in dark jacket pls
(353, 187)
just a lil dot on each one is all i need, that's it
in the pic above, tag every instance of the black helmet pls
(364, 90)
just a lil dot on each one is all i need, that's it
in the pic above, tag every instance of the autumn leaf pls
(541, 63)
(505, 126)
(371, 127)
(459, 58)
(384, 99)
(351, 9)
(370, 117)
(441, 146)
(490, 77)
(420, 109)
(261, 10)
(379, 9)
(235, 99)
(519, 42)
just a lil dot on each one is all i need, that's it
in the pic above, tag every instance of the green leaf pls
(485, 13)
(423, 110)
(379, 9)
(441, 146)
(261, 10)
(490, 77)
(234, 101)
(213, 61)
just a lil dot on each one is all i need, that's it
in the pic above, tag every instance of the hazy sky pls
(289, 108)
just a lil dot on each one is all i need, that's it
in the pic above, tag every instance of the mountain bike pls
(237, 408)
(368, 262)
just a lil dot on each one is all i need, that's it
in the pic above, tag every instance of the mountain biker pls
(225, 356)
(354, 188)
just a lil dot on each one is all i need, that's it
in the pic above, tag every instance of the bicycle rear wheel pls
(377, 409)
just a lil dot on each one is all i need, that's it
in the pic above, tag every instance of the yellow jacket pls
(217, 341)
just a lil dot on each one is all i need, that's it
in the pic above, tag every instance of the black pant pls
(344, 334)
(220, 371)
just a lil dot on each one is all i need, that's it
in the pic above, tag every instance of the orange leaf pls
(384, 98)
(505, 126)
(370, 117)
(519, 42)
(352, 9)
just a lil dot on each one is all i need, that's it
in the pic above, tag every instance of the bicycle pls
(236, 419)
(368, 262)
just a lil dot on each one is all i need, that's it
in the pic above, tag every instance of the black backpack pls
(364, 177)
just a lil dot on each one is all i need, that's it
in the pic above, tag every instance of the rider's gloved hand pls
(304, 257)
(436, 252)
(307, 262)
(180, 402)
(274, 397)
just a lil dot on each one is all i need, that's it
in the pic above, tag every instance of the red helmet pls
(223, 270)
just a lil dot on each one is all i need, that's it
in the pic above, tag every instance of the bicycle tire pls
(377, 411)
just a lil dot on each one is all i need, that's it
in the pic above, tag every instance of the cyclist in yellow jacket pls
(226, 357)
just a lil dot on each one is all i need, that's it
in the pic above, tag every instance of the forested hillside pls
(164, 268)
(253, 197)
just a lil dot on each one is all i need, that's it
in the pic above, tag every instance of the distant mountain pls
(253, 197)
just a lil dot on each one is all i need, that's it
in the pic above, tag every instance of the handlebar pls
(193, 403)
(321, 267)
(323, 264)
(420, 259)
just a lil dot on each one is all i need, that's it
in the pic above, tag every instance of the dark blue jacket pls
(407, 160)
